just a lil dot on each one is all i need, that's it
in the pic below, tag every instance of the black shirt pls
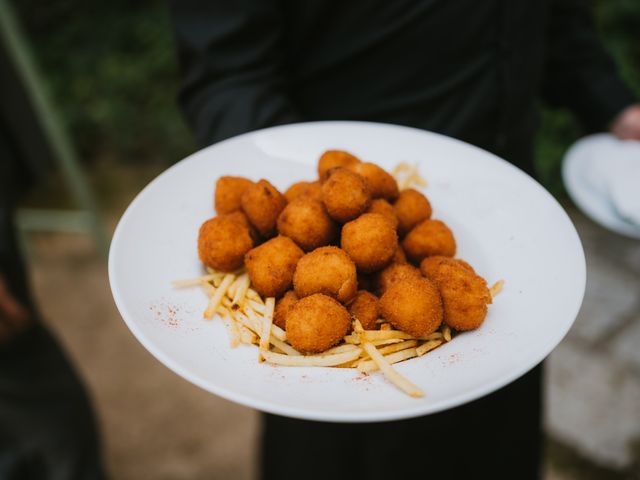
(470, 69)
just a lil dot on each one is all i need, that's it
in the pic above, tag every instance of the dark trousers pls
(47, 428)
(498, 436)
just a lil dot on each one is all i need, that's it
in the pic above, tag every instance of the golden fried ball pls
(413, 305)
(272, 264)
(465, 295)
(283, 307)
(306, 222)
(370, 241)
(316, 323)
(411, 208)
(228, 193)
(365, 307)
(345, 194)
(430, 265)
(381, 183)
(384, 208)
(327, 270)
(223, 241)
(262, 204)
(430, 237)
(393, 274)
(332, 159)
(304, 189)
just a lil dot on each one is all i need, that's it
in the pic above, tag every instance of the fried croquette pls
(465, 294)
(430, 265)
(345, 194)
(332, 159)
(430, 237)
(384, 208)
(381, 183)
(283, 307)
(411, 208)
(272, 264)
(413, 305)
(316, 323)
(327, 270)
(223, 242)
(365, 307)
(228, 193)
(306, 222)
(304, 189)
(262, 203)
(393, 274)
(370, 241)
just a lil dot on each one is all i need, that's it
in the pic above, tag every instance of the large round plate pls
(506, 225)
(586, 170)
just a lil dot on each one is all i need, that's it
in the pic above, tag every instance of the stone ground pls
(158, 426)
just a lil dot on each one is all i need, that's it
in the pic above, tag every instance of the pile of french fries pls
(248, 319)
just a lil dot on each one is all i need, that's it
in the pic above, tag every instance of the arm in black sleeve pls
(232, 66)
(579, 73)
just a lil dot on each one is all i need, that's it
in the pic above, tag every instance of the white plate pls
(506, 225)
(587, 170)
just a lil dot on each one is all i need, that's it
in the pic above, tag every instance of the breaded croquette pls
(381, 183)
(365, 307)
(272, 264)
(384, 208)
(304, 189)
(327, 270)
(223, 241)
(262, 204)
(430, 237)
(283, 307)
(465, 294)
(413, 305)
(332, 159)
(306, 222)
(316, 323)
(411, 208)
(228, 193)
(393, 274)
(345, 194)
(370, 241)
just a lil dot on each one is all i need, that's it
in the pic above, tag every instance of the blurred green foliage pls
(112, 71)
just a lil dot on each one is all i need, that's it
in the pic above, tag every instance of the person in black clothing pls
(47, 428)
(471, 70)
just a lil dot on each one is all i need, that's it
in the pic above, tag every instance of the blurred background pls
(113, 85)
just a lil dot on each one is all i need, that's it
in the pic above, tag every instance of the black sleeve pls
(231, 60)
(579, 73)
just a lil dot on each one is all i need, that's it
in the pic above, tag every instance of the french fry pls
(370, 335)
(258, 307)
(246, 335)
(386, 326)
(216, 298)
(396, 347)
(496, 288)
(428, 346)
(253, 295)
(241, 290)
(446, 333)
(341, 349)
(311, 360)
(265, 331)
(283, 346)
(371, 366)
(433, 336)
(194, 282)
(397, 379)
